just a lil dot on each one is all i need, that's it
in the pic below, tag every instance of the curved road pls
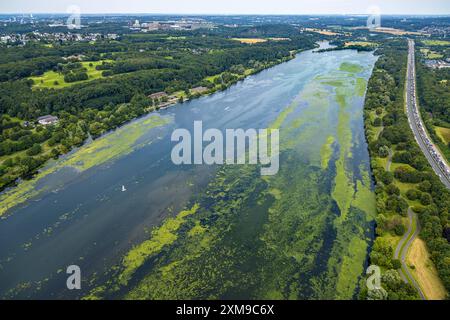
(389, 161)
(403, 247)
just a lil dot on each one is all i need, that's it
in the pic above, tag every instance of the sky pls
(229, 6)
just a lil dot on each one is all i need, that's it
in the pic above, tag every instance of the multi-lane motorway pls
(430, 151)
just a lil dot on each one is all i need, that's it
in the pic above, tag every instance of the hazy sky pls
(228, 6)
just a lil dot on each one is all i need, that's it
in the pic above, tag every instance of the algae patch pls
(161, 237)
(327, 151)
(361, 85)
(351, 67)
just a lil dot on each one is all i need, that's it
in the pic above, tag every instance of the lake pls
(199, 231)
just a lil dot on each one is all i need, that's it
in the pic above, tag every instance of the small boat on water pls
(124, 189)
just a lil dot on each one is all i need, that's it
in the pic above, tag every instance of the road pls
(402, 249)
(430, 151)
(389, 161)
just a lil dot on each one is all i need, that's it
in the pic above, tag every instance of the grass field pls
(424, 271)
(430, 54)
(360, 43)
(47, 80)
(436, 42)
(322, 31)
(443, 133)
(397, 32)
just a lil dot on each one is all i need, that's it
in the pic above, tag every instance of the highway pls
(430, 151)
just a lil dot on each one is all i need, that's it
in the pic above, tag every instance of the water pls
(81, 216)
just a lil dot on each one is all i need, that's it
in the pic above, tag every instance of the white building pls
(47, 120)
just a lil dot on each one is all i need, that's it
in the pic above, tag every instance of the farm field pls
(250, 40)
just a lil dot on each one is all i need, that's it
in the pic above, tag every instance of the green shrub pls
(396, 264)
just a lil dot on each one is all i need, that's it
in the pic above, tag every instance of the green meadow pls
(436, 42)
(55, 80)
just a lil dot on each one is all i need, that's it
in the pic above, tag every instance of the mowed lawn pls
(47, 80)
(444, 134)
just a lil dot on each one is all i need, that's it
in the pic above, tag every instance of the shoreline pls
(9, 191)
